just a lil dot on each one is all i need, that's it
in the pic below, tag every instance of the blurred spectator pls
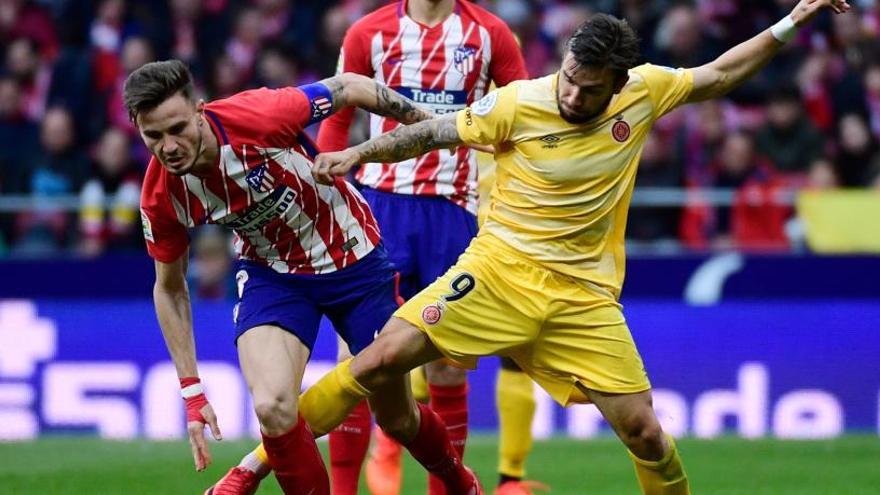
(244, 45)
(277, 68)
(872, 97)
(211, 272)
(857, 149)
(136, 51)
(822, 174)
(24, 19)
(226, 79)
(656, 169)
(110, 199)
(19, 140)
(24, 63)
(754, 220)
(788, 138)
(60, 170)
(680, 41)
(698, 141)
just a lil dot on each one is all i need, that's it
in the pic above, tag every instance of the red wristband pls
(194, 398)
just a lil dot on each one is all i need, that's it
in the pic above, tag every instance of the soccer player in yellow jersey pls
(541, 281)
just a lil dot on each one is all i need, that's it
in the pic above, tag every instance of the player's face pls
(172, 132)
(584, 92)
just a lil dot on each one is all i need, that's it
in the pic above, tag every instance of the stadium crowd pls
(809, 120)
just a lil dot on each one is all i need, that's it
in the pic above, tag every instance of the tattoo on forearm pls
(410, 141)
(337, 92)
(390, 103)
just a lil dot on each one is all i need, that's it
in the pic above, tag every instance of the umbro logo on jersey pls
(260, 180)
(550, 141)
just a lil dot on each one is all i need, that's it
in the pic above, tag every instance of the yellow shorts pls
(559, 330)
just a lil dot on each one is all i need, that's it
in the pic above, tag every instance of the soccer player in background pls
(306, 250)
(541, 281)
(443, 54)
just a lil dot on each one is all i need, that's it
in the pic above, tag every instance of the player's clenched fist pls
(198, 414)
(328, 165)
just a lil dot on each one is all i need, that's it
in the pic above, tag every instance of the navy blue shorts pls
(358, 300)
(424, 235)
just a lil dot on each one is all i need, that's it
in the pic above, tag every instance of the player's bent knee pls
(277, 413)
(645, 439)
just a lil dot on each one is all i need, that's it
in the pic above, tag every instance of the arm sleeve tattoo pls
(382, 100)
(411, 141)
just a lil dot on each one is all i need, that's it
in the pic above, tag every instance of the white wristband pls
(784, 30)
(191, 390)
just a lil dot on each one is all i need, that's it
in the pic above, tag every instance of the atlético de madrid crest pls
(464, 59)
(260, 180)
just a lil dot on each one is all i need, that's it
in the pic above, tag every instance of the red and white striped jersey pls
(262, 188)
(443, 68)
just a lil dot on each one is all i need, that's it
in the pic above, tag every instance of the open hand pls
(196, 429)
(806, 10)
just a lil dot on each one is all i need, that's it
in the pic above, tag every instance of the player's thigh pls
(473, 310)
(368, 298)
(399, 348)
(342, 351)
(587, 343)
(272, 361)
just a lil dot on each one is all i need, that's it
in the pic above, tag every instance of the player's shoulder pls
(540, 88)
(648, 73)
(481, 16)
(155, 188)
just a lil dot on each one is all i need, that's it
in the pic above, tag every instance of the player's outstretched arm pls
(738, 64)
(400, 144)
(171, 298)
(350, 89)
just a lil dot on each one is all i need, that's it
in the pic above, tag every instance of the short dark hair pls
(153, 83)
(605, 41)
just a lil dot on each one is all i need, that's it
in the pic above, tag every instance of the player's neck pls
(429, 12)
(209, 152)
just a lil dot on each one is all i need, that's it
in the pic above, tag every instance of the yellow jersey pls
(562, 190)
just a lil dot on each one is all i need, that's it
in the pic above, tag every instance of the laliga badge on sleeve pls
(485, 104)
(148, 228)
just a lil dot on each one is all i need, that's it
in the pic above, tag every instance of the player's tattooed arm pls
(400, 144)
(410, 141)
(354, 89)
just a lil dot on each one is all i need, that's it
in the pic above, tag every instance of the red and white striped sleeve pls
(166, 237)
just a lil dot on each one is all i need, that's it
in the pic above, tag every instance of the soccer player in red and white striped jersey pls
(443, 54)
(306, 250)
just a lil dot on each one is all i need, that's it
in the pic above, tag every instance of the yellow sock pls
(260, 453)
(515, 400)
(663, 477)
(419, 383)
(327, 403)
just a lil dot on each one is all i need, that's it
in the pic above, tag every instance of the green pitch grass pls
(847, 466)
